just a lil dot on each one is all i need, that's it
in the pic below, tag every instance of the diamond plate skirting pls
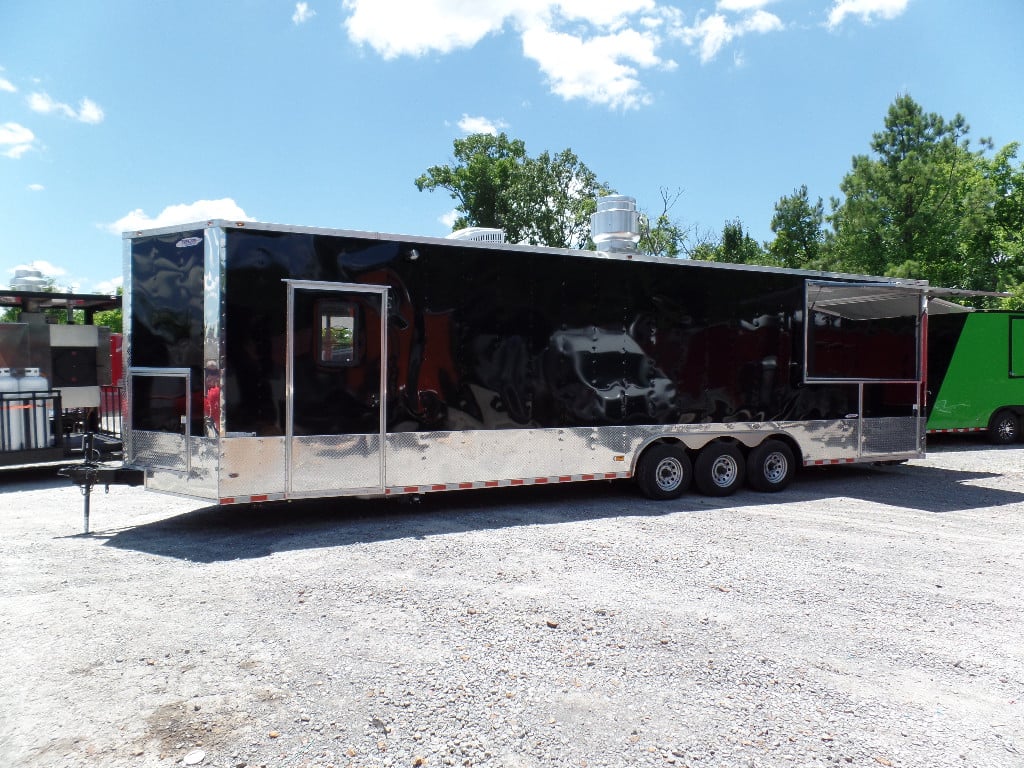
(240, 467)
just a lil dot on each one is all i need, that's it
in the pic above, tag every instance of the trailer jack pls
(91, 472)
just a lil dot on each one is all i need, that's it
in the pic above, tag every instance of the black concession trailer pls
(270, 362)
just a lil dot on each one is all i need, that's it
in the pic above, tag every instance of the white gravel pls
(864, 617)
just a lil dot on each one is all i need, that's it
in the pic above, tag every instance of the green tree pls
(545, 200)
(1007, 176)
(484, 168)
(926, 205)
(112, 318)
(736, 246)
(799, 232)
(666, 236)
(559, 200)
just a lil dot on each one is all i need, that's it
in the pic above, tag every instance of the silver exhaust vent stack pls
(615, 225)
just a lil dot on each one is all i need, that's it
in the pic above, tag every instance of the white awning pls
(938, 306)
(864, 301)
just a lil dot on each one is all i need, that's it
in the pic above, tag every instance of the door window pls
(338, 334)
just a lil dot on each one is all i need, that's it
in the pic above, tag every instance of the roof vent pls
(28, 279)
(615, 225)
(479, 234)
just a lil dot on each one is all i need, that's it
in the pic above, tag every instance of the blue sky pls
(122, 114)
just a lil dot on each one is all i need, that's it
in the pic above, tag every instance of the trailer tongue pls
(91, 472)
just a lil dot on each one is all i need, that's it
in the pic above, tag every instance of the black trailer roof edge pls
(261, 226)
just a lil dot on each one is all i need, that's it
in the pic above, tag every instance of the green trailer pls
(976, 374)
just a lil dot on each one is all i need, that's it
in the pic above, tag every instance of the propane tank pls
(12, 418)
(37, 423)
(32, 381)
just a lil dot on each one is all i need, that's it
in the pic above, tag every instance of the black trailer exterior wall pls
(269, 362)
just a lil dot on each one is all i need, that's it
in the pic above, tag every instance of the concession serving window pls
(863, 332)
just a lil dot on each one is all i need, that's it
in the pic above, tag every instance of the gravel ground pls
(864, 617)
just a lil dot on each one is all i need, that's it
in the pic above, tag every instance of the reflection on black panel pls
(943, 334)
(879, 348)
(495, 339)
(158, 403)
(167, 312)
(333, 394)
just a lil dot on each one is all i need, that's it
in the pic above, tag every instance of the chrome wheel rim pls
(724, 471)
(1005, 428)
(668, 475)
(775, 467)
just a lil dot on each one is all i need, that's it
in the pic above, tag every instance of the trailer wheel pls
(664, 472)
(719, 469)
(770, 466)
(1004, 428)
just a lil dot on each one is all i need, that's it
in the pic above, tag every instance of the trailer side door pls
(335, 387)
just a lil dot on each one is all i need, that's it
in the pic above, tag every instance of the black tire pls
(1004, 428)
(719, 469)
(770, 466)
(664, 472)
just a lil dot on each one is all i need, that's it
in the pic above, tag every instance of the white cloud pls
(15, 140)
(587, 49)
(601, 13)
(468, 124)
(742, 5)
(88, 111)
(7, 85)
(449, 218)
(865, 9)
(108, 287)
(396, 28)
(36, 187)
(303, 13)
(712, 33)
(186, 213)
(595, 50)
(761, 22)
(42, 103)
(594, 69)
